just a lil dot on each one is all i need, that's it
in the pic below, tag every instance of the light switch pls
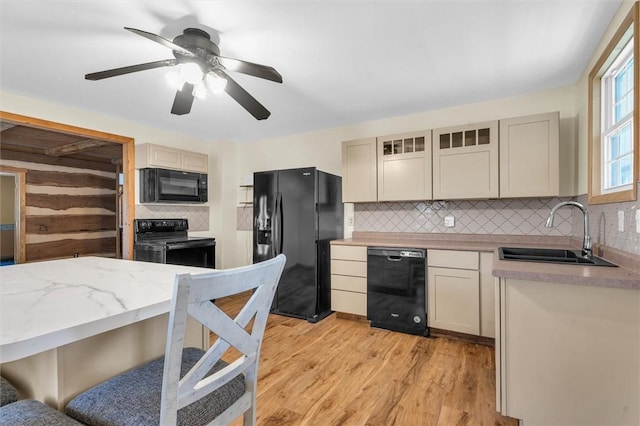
(621, 221)
(449, 221)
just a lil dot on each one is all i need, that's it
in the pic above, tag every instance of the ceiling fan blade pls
(133, 68)
(256, 70)
(163, 41)
(183, 101)
(243, 97)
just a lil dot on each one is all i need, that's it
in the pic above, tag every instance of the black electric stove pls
(167, 241)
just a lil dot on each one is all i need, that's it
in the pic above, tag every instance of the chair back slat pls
(192, 296)
(211, 383)
(217, 321)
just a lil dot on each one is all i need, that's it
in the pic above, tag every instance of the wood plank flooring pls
(342, 372)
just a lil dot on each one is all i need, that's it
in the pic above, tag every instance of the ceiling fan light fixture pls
(191, 72)
(200, 90)
(175, 80)
(215, 83)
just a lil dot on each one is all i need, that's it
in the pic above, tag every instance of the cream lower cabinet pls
(453, 285)
(567, 354)
(359, 171)
(487, 296)
(529, 156)
(349, 279)
(465, 161)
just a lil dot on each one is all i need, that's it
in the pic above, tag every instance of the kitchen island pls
(68, 324)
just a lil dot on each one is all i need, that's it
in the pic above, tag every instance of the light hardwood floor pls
(342, 372)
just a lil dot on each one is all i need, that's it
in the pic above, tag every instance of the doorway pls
(8, 219)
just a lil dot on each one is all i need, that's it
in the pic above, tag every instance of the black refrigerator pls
(297, 212)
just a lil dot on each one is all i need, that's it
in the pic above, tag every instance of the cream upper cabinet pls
(529, 156)
(404, 166)
(465, 161)
(454, 290)
(359, 171)
(150, 155)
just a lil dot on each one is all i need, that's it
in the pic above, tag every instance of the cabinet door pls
(465, 161)
(195, 162)
(404, 167)
(359, 183)
(162, 156)
(454, 296)
(529, 156)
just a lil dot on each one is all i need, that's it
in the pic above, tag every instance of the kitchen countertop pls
(44, 305)
(620, 277)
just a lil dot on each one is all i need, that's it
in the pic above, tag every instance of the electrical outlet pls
(449, 221)
(638, 221)
(350, 221)
(621, 221)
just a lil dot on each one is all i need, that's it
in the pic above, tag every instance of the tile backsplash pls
(244, 218)
(603, 224)
(525, 216)
(520, 216)
(198, 216)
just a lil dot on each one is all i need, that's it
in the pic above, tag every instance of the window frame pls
(628, 31)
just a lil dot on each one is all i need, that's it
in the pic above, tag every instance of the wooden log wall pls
(70, 210)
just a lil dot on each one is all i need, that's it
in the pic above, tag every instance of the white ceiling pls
(342, 62)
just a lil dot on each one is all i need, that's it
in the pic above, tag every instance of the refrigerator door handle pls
(277, 226)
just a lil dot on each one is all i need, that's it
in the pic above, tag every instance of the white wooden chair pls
(190, 386)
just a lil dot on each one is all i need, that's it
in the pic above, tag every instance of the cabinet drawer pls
(348, 267)
(348, 283)
(349, 302)
(349, 252)
(453, 259)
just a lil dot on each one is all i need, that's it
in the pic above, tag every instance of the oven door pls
(202, 254)
(192, 253)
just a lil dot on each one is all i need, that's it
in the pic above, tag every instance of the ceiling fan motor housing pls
(200, 43)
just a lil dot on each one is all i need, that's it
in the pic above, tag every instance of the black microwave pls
(172, 186)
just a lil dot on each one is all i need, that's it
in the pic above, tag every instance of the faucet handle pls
(586, 246)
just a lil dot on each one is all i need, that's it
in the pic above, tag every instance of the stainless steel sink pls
(545, 255)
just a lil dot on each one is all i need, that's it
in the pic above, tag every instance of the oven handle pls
(191, 244)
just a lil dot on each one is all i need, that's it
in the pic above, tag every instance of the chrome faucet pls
(586, 241)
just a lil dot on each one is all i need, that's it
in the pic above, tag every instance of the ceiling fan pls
(201, 69)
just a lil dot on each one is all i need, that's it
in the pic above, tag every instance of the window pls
(613, 108)
(617, 122)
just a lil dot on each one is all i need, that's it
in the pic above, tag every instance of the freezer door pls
(296, 223)
(264, 199)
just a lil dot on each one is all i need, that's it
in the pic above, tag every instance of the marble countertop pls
(44, 305)
(601, 276)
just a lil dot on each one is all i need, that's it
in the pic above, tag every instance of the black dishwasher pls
(396, 289)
